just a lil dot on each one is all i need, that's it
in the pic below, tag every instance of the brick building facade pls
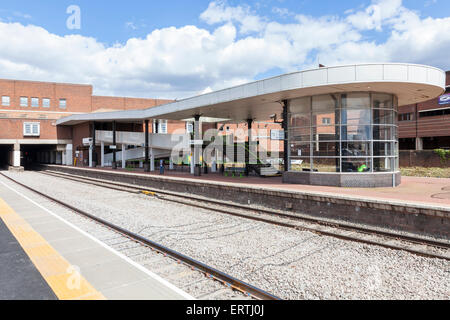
(426, 125)
(29, 110)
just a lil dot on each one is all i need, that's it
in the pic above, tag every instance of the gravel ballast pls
(289, 263)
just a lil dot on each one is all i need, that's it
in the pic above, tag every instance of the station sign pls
(444, 99)
(277, 134)
(113, 147)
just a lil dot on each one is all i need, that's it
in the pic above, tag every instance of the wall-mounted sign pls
(113, 147)
(444, 99)
(277, 134)
(197, 142)
(87, 141)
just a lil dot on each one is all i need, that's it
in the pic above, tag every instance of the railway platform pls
(418, 205)
(44, 257)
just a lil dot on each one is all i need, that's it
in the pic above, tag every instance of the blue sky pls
(107, 20)
(179, 48)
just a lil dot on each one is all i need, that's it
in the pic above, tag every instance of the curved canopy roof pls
(260, 99)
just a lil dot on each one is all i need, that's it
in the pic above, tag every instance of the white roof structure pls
(258, 100)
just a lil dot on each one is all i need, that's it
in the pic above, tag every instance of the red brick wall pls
(101, 103)
(13, 129)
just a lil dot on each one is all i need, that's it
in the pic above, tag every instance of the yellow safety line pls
(61, 276)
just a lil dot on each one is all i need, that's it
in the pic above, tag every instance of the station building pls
(339, 125)
(426, 125)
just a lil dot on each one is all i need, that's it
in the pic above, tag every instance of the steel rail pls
(211, 272)
(411, 239)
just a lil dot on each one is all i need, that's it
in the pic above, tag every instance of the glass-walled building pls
(344, 139)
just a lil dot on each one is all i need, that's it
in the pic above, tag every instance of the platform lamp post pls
(146, 162)
(114, 164)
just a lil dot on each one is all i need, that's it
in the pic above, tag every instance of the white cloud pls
(179, 62)
(219, 12)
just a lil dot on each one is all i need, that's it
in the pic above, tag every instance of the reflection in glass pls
(383, 164)
(353, 131)
(300, 120)
(382, 100)
(300, 149)
(383, 133)
(300, 105)
(325, 133)
(326, 149)
(355, 116)
(356, 149)
(326, 103)
(326, 164)
(356, 100)
(356, 165)
(300, 164)
(383, 148)
(356, 133)
(383, 116)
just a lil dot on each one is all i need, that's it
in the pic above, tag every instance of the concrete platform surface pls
(46, 257)
(412, 190)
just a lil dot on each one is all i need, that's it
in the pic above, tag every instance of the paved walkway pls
(431, 191)
(51, 258)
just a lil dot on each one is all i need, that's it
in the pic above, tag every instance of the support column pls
(16, 155)
(285, 125)
(69, 155)
(419, 143)
(124, 161)
(52, 157)
(248, 154)
(90, 156)
(102, 154)
(114, 164)
(197, 148)
(146, 162)
(94, 143)
(152, 160)
(170, 163)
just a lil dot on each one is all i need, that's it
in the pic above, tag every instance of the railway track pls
(230, 282)
(397, 241)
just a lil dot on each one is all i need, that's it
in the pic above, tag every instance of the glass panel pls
(355, 116)
(356, 133)
(355, 164)
(325, 118)
(355, 149)
(300, 164)
(382, 100)
(300, 120)
(301, 105)
(356, 100)
(326, 149)
(325, 103)
(325, 133)
(383, 149)
(326, 164)
(383, 116)
(300, 134)
(383, 164)
(384, 133)
(300, 149)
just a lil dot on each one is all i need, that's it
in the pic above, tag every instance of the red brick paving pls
(430, 191)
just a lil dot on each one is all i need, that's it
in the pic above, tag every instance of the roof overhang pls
(260, 99)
